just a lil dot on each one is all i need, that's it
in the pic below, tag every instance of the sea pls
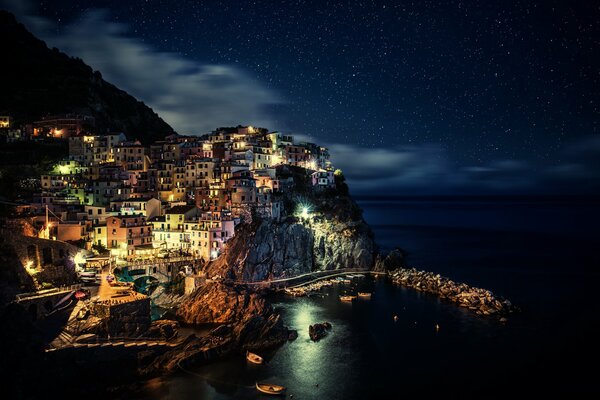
(543, 254)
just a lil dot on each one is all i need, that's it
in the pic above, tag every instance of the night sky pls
(495, 95)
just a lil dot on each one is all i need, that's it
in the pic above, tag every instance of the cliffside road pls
(317, 276)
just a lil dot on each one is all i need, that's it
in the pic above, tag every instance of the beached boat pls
(87, 276)
(80, 295)
(254, 358)
(364, 295)
(356, 276)
(269, 388)
(347, 298)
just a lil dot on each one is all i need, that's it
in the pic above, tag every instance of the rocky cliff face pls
(219, 303)
(277, 250)
(249, 319)
(248, 323)
(332, 236)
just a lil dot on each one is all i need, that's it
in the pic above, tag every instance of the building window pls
(47, 255)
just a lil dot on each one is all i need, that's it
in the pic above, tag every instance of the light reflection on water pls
(552, 276)
(363, 351)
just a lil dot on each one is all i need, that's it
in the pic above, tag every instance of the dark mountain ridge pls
(38, 81)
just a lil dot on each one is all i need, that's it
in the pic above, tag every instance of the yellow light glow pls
(29, 268)
(79, 258)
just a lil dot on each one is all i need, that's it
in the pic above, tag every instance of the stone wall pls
(127, 319)
(38, 253)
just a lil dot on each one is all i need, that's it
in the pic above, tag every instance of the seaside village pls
(178, 199)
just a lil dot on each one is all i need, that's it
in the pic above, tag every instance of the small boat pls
(269, 388)
(88, 276)
(254, 358)
(365, 295)
(347, 298)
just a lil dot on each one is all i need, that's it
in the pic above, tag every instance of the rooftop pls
(180, 209)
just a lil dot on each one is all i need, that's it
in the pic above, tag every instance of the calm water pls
(541, 255)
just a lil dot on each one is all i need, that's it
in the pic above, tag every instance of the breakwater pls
(481, 301)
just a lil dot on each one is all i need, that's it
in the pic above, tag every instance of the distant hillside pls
(37, 81)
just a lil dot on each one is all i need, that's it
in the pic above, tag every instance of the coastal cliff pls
(270, 250)
(247, 322)
(331, 235)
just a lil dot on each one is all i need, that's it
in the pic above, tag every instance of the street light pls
(303, 210)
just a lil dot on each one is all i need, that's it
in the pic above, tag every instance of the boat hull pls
(254, 358)
(271, 389)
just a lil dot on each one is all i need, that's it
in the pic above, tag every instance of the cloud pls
(579, 168)
(411, 167)
(499, 175)
(196, 98)
(428, 169)
(425, 169)
(192, 97)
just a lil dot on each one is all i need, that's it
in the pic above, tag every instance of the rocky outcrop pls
(393, 260)
(249, 323)
(318, 331)
(269, 249)
(331, 235)
(481, 301)
(290, 248)
(165, 299)
(216, 302)
(250, 319)
(163, 329)
(193, 350)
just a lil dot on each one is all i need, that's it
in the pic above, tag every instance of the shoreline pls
(481, 301)
(222, 342)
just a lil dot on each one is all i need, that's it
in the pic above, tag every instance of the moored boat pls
(87, 276)
(269, 388)
(347, 298)
(254, 358)
(364, 295)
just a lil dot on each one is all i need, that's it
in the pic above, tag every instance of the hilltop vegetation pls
(37, 81)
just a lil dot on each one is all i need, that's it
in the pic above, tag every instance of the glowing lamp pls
(304, 212)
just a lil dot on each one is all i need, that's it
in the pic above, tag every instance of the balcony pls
(138, 235)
